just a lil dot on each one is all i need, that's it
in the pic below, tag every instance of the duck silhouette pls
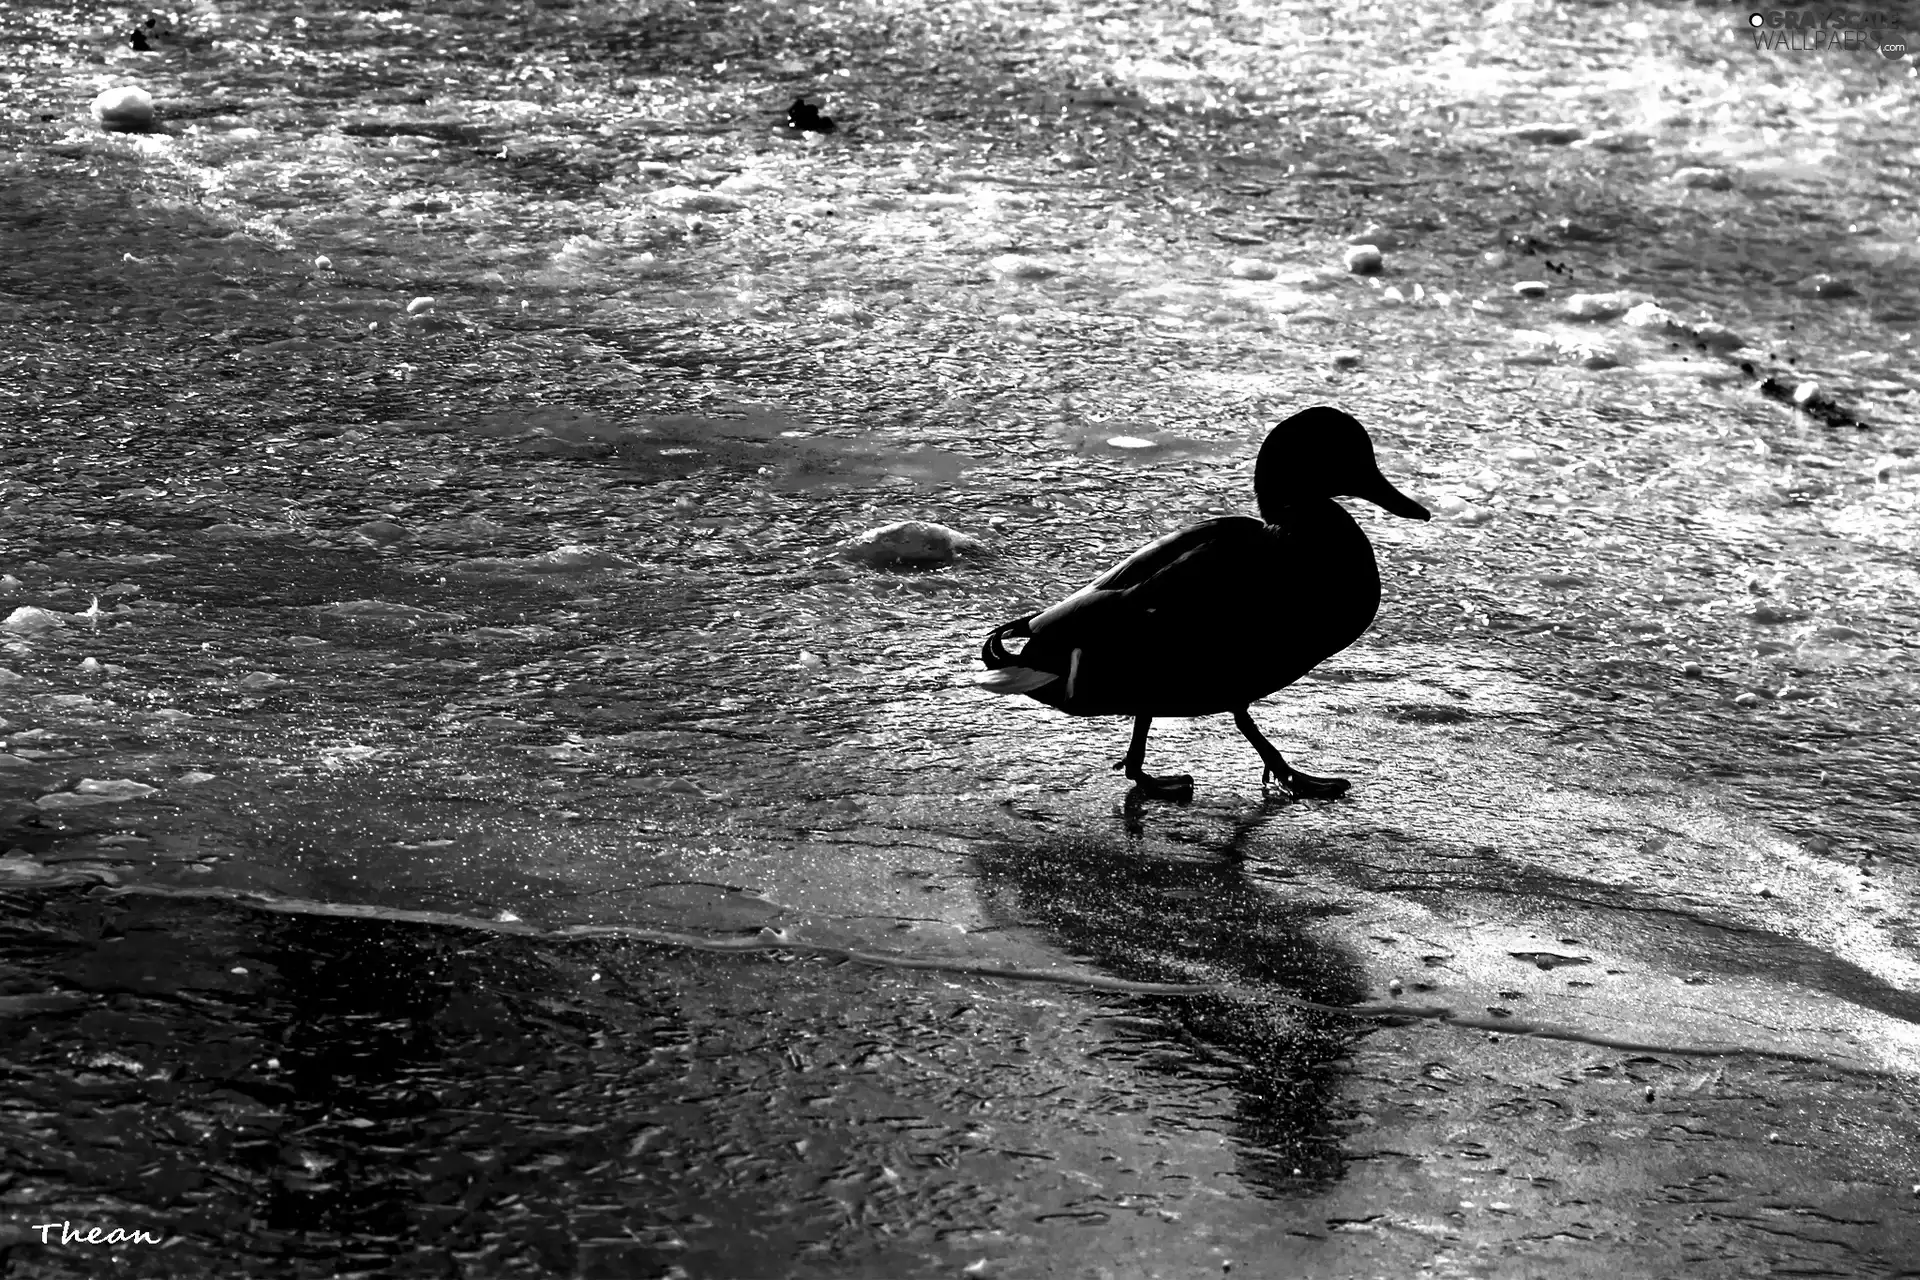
(1208, 620)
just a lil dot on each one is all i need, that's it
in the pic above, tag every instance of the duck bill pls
(1381, 493)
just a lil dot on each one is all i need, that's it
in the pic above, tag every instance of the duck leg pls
(1172, 786)
(1300, 784)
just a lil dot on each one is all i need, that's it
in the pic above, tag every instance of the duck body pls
(1205, 620)
(1214, 617)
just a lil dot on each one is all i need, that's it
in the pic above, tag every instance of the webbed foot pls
(1177, 787)
(1302, 786)
(1305, 786)
(1172, 786)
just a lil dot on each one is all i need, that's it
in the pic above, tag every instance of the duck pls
(1212, 618)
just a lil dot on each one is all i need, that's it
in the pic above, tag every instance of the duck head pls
(1323, 453)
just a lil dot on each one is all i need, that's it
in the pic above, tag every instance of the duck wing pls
(1132, 616)
(1165, 565)
(1161, 553)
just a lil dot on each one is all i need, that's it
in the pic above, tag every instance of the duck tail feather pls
(1015, 680)
(993, 653)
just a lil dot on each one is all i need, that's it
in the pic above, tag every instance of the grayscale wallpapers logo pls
(1804, 30)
